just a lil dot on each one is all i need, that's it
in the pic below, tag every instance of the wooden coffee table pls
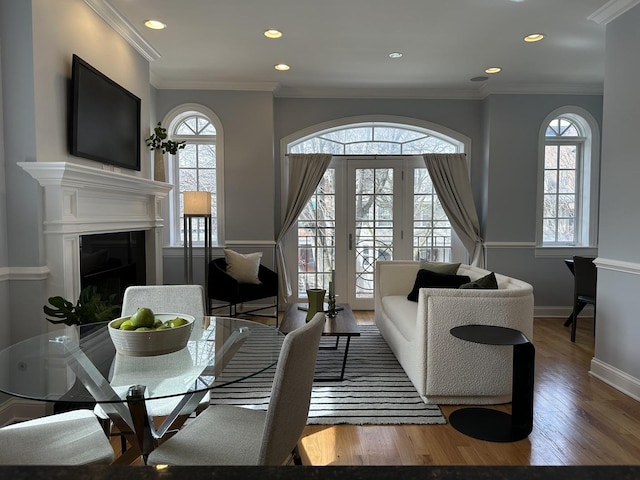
(343, 325)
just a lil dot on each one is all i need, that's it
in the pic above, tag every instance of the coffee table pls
(343, 325)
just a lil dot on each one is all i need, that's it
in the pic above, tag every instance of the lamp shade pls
(197, 203)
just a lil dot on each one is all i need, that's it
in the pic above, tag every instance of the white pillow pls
(244, 268)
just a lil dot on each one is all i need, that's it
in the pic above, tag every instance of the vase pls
(316, 301)
(158, 166)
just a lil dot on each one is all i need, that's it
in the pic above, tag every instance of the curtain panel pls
(450, 177)
(305, 173)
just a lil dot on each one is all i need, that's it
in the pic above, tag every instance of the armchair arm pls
(222, 286)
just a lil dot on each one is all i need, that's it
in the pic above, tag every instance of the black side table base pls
(486, 424)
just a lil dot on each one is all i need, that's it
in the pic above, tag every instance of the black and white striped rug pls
(375, 389)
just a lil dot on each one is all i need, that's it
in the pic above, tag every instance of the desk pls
(494, 425)
(59, 365)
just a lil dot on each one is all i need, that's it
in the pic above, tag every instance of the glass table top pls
(65, 366)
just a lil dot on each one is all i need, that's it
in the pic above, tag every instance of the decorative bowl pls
(146, 343)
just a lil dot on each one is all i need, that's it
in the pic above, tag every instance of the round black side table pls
(494, 425)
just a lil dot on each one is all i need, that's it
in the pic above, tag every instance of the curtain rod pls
(377, 155)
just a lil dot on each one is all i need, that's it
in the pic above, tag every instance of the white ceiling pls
(341, 47)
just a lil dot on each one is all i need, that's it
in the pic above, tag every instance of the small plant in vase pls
(160, 144)
(91, 307)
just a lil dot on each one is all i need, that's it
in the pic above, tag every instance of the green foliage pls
(158, 141)
(92, 307)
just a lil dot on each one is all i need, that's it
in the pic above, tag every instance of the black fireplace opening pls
(113, 261)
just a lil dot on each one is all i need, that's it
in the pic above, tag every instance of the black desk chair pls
(584, 290)
(224, 287)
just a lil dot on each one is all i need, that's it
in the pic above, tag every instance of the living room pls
(504, 131)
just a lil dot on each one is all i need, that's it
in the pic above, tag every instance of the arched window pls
(568, 181)
(378, 197)
(197, 167)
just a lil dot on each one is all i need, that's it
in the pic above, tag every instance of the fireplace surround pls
(81, 200)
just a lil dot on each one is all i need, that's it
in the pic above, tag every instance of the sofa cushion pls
(402, 314)
(440, 267)
(429, 279)
(486, 282)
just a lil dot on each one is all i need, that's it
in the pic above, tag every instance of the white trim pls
(249, 243)
(612, 10)
(617, 265)
(123, 28)
(509, 244)
(568, 251)
(615, 377)
(24, 273)
(18, 409)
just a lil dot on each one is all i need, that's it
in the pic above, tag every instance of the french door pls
(364, 210)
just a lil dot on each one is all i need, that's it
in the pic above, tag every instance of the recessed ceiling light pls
(272, 33)
(155, 24)
(492, 70)
(282, 67)
(534, 37)
(395, 55)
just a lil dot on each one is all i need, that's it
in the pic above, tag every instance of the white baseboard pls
(16, 410)
(616, 378)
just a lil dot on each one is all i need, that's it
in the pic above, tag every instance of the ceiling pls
(341, 47)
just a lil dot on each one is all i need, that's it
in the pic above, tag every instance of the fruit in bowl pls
(146, 333)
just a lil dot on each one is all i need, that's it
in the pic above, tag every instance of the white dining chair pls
(228, 435)
(187, 299)
(69, 438)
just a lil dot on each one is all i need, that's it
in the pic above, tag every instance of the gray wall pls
(618, 323)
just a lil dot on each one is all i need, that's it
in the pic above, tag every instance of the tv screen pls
(105, 118)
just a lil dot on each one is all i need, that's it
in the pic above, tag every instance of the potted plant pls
(160, 144)
(91, 307)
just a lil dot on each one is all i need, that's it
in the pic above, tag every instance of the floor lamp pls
(196, 205)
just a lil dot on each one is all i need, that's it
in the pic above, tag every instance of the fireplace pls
(81, 204)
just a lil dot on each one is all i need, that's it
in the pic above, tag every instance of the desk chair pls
(70, 438)
(584, 290)
(228, 435)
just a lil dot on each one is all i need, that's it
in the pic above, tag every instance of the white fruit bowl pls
(147, 343)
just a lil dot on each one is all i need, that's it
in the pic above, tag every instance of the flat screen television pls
(104, 118)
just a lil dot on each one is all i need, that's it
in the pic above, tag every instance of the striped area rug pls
(375, 389)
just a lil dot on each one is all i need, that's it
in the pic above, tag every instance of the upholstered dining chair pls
(188, 299)
(584, 290)
(69, 438)
(229, 435)
(225, 288)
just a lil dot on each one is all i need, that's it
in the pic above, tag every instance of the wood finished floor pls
(578, 420)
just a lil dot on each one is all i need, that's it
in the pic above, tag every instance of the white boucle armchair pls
(445, 369)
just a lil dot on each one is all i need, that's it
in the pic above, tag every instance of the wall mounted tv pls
(104, 118)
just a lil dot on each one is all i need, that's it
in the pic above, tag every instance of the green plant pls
(158, 141)
(92, 307)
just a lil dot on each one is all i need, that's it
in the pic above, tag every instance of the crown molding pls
(124, 28)
(612, 10)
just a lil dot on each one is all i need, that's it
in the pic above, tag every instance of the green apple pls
(176, 322)
(143, 317)
(127, 325)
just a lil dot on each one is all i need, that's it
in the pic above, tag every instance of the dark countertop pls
(624, 472)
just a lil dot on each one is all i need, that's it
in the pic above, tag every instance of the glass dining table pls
(80, 366)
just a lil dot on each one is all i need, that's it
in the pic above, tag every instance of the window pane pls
(428, 145)
(566, 206)
(393, 134)
(549, 229)
(188, 180)
(550, 181)
(187, 157)
(372, 148)
(350, 135)
(567, 181)
(568, 156)
(550, 206)
(565, 230)
(551, 156)
(207, 180)
(207, 156)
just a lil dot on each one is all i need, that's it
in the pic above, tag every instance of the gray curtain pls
(305, 173)
(450, 177)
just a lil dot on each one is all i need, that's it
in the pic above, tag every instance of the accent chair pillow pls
(440, 267)
(487, 282)
(429, 279)
(244, 268)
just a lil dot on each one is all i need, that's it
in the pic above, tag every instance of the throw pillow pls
(429, 279)
(486, 282)
(244, 268)
(440, 267)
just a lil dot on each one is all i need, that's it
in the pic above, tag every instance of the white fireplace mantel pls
(81, 200)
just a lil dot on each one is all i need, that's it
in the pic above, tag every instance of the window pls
(378, 196)
(197, 167)
(568, 182)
